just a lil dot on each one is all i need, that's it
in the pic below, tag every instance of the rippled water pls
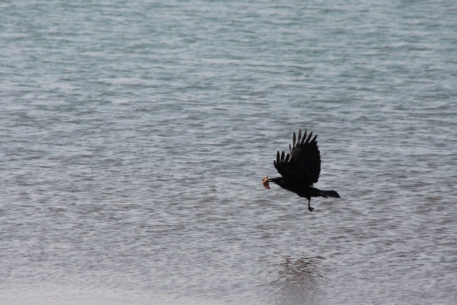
(134, 137)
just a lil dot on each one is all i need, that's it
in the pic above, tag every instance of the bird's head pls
(266, 181)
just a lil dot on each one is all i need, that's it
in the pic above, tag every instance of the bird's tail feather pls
(329, 194)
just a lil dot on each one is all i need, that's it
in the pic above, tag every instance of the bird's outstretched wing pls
(305, 150)
(292, 170)
(303, 164)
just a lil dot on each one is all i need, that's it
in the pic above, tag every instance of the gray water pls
(135, 134)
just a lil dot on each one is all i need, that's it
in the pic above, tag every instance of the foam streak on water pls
(134, 137)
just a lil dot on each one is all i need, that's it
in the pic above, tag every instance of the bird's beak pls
(266, 183)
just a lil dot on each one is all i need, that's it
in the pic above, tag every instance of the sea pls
(134, 136)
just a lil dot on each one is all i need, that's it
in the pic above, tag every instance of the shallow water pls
(134, 137)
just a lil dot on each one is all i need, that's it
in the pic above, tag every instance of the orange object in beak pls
(265, 182)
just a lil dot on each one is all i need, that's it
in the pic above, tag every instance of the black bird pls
(300, 169)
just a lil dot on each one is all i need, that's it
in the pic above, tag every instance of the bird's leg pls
(309, 205)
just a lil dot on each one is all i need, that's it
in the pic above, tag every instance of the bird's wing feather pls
(292, 169)
(306, 152)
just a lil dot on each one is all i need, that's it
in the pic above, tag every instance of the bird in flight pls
(300, 168)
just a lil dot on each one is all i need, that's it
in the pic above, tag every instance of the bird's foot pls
(310, 209)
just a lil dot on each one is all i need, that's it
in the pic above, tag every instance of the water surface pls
(134, 137)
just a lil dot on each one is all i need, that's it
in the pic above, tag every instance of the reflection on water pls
(299, 281)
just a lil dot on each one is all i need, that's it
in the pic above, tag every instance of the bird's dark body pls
(301, 168)
(305, 191)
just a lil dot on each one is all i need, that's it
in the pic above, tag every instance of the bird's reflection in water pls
(299, 282)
